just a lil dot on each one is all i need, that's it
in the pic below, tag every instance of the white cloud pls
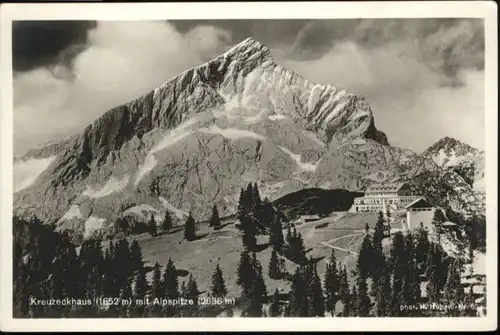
(123, 60)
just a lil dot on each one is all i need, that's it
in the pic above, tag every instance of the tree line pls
(48, 266)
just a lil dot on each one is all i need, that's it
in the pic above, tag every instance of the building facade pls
(384, 197)
(419, 212)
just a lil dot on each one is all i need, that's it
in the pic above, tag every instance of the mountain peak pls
(248, 48)
(449, 143)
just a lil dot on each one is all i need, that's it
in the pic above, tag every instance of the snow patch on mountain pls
(72, 213)
(313, 137)
(148, 165)
(93, 224)
(277, 117)
(231, 133)
(112, 185)
(144, 212)
(26, 172)
(298, 159)
(178, 212)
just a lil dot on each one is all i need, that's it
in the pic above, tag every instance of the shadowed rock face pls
(201, 136)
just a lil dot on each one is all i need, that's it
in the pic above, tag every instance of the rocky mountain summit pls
(461, 158)
(201, 136)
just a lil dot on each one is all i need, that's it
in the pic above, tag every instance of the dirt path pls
(339, 248)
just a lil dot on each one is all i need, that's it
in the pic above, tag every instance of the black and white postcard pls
(249, 166)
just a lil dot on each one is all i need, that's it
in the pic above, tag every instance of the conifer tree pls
(363, 303)
(331, 283)
(276, 235)
(218, 285)
(153, 231)
(353, 303)
(315, 294)
(157, 289)
(170, 285)
(344, 292)
(383, 295)
(364, 266)
(275, 307)
(242, 205)
(167, 222)
(397, 289)
(136, 262)
(245, 273)
(256, 201)
(192, 293)
(249, 198)
(125, 295)
(397, 251)
(254, 307)
(298, 295)
(274, 266)
(141, 288)
(289, 237)
(249, 231)
(215, 219)
(190, 229)
(378, 254)
(260, 285)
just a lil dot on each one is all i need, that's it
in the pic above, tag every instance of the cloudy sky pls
(423, 78)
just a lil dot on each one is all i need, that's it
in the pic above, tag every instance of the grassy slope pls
(224, 246)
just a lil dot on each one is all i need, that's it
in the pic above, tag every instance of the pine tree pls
(298, 295)
(364, 266)
(249, 198)
(256, 201)
(315, 294)
(397, 250)
(125, 295)
(242, 205)
(383, 295)
(167, 222)
(276, 235)
(152, 226)
(378, 254)
(245, 273)
(344, 292)
(274, 266)
(190, 229)
(249, 231)
(260, 285)
(141, 288)
(170, 285)
(215, 220)
(353, 305)
(135, 256)
(331, 283)
(363, 303)
(275, 307)
(157, 289)
(191, 293)
(218, 285)
(255, 290)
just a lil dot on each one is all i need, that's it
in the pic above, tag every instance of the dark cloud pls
(40, 43)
